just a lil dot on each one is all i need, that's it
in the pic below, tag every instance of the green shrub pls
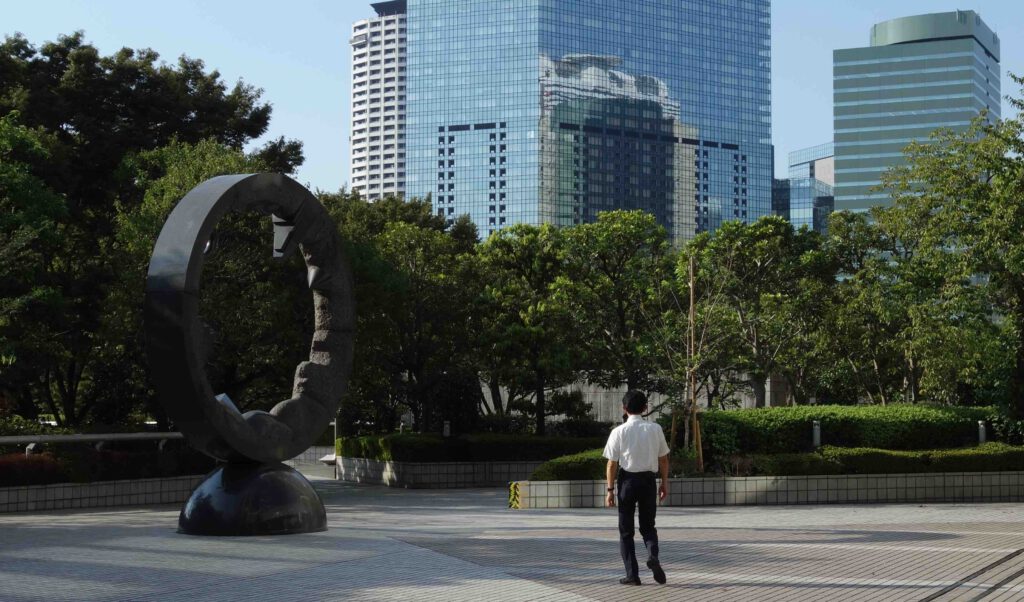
(68, 464)
(509, 424)
(584, 466)
(682, 462)
(860, 460)
(487, 447)
(984, 458)
(990, 457)
(788, 430)
(581, 427)
(793, 464)
(38, 469)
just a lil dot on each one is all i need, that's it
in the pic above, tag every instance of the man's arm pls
(663, 469)
(610, 472)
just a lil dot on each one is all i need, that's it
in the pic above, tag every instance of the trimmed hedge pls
(467, 448)
(584, 466)
(991, 457)
(785, 465)
(788, 430)
(591, 465)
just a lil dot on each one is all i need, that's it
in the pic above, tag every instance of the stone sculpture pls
(252, 493)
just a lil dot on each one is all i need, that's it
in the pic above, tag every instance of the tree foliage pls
(93, 114)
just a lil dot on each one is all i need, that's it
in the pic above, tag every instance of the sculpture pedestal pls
(253, 499)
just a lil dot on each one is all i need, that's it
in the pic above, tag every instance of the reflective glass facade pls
(806, 197)
(920, 74)
(544, 111)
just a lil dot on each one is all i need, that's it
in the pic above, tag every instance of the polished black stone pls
(253, 499)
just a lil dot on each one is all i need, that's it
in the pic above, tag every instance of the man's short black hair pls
(634, 401)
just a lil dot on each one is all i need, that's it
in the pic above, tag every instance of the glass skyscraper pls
(920, 73)
(545, 111)
(378, 102)
(806, 197)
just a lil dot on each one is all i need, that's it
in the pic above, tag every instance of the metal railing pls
(32, 442)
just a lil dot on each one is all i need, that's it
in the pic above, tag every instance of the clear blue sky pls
(298, 53)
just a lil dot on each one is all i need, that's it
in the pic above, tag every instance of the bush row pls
(466, 448)
(13, 426)
(590, 465)
(788, 430)
(990, 457)
(70, 465)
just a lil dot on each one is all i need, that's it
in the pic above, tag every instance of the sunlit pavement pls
(389, 544)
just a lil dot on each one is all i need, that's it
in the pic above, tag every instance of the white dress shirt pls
(636, 445)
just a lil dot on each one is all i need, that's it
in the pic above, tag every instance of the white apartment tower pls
(378, 102)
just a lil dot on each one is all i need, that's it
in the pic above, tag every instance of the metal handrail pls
(100, 438)
(90, 438)
(31, 441)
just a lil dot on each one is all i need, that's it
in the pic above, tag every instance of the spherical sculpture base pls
(253, 499)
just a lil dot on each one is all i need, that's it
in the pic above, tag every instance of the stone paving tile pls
(386, 544)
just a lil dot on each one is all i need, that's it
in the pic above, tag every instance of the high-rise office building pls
(919, 74)
(378, 102)
(805, 198)
(546, 111)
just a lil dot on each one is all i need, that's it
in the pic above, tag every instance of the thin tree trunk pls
(1017, 374)
(758, 385)
(496, 401)
(540, 409)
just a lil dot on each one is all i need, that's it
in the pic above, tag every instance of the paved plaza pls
(387, 544)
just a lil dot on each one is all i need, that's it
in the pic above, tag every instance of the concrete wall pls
(103, 494)
(827, 489)
(433, 475)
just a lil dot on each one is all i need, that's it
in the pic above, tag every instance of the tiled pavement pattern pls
(409, 545)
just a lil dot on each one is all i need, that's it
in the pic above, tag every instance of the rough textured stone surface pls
(178, 341)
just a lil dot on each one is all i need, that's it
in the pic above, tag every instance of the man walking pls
(636, 452)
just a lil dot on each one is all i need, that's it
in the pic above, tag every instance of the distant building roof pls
(392, 7)
(936, 26)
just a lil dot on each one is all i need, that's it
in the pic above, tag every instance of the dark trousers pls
(637, 489)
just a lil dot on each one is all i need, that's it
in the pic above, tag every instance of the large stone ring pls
(177, 338)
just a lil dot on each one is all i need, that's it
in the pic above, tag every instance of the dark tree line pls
(923, 301)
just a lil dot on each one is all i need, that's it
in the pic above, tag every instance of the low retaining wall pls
(101, 494)
(826, 489)
(311, 455)
(433, 475)
(134, 492)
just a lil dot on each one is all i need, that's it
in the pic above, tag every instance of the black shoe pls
(630, 581)
(659, 574)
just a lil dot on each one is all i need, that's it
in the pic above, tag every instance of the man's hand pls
(663, 491)
(610, 472)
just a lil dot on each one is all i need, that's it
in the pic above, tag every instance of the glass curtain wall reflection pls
(537, 111)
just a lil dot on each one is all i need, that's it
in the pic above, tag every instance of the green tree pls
(29, 214)
(413, 276)
(762, 267)
(425, 317)
(964, 190)
(866, 319)
(610, 267)
(533, 331)
(257, 309)
(96, 112)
